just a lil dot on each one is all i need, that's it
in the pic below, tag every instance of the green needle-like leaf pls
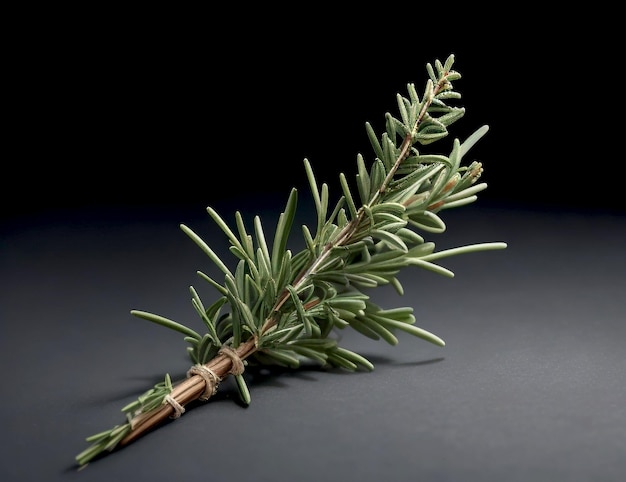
(244, 392)
(283, 229)
(160, 320)
(216, 260)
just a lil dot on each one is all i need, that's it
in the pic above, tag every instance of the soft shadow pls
(269, 375)
(145, 383)
(420, 363)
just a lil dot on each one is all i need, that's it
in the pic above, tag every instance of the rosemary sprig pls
(283, 307)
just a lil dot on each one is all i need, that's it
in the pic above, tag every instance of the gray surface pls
(530, 385)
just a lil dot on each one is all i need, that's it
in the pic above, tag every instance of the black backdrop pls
(147, 112)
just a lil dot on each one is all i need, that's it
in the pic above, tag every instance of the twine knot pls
(178, 408)
(238, 365)
(211, 380)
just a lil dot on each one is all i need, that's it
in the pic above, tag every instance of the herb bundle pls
(281, 308)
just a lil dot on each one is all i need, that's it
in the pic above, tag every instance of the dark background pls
(123, 123)
(138, 110)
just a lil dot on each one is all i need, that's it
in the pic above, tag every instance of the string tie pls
(211, 380)
(178, 408)
(238, 366)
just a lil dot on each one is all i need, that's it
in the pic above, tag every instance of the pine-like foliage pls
(276, 307)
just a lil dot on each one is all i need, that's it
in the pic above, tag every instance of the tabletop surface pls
(530, 385)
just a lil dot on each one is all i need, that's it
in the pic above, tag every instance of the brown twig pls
(187, 391)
